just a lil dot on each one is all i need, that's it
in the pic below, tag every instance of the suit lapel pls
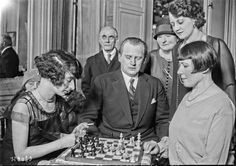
(121, 92)
(115, 62)
(102, 60)
(143, 97)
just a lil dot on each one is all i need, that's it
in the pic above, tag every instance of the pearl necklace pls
(48, 105)
(46, 100)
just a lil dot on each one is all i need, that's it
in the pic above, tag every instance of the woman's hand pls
(68, 140)
(80, 130)
(151, 147)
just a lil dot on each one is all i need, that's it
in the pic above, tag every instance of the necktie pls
(108, 58)
(131, 89)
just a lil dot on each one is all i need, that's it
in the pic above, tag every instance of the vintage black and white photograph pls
(117, 82)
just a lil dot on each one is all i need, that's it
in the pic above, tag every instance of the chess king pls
(118, 105)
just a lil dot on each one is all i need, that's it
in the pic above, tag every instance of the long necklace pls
(201, 93)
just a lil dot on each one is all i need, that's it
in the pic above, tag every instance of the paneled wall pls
(88, 26)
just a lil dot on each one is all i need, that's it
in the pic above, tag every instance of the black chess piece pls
(93, 151)
(86, 148)
(97, 143)
(72, 152)
(102, 149)
(82, 154)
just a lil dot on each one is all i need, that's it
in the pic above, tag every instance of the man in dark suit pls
(103, 62)
(9, 60)
(128, 101)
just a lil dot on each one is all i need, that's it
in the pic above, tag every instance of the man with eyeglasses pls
(103, 62)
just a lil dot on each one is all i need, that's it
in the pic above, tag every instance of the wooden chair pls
(8, 89)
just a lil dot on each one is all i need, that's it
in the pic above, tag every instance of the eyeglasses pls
(104, 37)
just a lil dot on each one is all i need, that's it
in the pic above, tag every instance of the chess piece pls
(139, 137)
(93, 151)
(125, 155)
(102, 149)
(72, 152)
(132, 158)
(120, 144)
(132, 141)
(118, 153)
(86, 148)
(121, 136)
(82, 154)
(138, 142)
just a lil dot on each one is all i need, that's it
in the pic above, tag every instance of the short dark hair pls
(54, 64)
(134, 41)
(188, 8)
(201, 53)
(7, 39)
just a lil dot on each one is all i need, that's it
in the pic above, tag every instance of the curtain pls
(230, 27)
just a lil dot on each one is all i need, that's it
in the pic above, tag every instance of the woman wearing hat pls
(159, 61)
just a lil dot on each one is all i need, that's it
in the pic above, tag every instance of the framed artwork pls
(13, 37)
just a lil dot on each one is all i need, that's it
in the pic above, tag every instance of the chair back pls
(8, 89)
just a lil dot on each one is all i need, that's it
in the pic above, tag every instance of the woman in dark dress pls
(38, 122)
(186, 19)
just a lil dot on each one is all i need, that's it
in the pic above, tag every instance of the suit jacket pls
(109, 100)
(9, 63)
(97, 65)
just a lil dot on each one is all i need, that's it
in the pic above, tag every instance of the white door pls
(129, 18)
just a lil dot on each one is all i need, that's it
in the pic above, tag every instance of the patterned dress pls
(43, 127)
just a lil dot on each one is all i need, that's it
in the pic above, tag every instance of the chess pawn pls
(132, 141)
(102, 149)
(120, 144)
(121, 136)
(118, 153)
(138, 144)
(132, 158)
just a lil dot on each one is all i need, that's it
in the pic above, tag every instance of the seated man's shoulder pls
(105, 76)
(151, 78)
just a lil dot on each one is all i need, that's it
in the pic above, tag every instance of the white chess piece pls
(121, 136)
(132, 158)
(138, 142)
(132, 141)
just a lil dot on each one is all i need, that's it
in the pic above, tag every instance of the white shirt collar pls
(127, 80)
(5, 49)
(113, 53)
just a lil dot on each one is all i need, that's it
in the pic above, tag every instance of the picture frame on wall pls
(12, 34)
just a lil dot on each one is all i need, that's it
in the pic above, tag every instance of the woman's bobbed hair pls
(201, 53)
(188, 8)
(54, 64)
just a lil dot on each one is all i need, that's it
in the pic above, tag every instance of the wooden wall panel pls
(130, 18)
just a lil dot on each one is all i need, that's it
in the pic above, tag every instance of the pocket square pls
(153, 101)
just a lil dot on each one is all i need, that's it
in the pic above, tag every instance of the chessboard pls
(94, 150)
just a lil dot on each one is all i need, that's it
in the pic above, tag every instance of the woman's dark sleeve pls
(228, 70)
